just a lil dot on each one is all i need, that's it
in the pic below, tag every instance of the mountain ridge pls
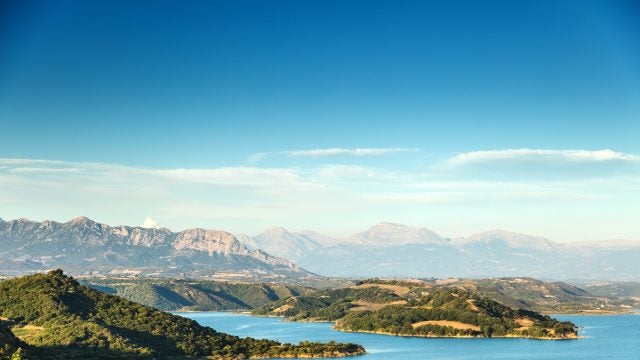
(82, 245)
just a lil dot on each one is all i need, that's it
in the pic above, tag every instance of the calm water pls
(607, 337)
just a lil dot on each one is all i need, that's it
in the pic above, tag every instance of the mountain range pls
(84, 247)
(394, 250)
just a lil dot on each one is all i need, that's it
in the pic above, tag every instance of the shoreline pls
(284, 318)
(596, 313)
(580, 313)
(460, 336)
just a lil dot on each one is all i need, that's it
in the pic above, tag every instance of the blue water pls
(606, 337)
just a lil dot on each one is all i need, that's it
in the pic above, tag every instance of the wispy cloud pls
(257, 157)
(18, 162)
(35, 170)
(328, 152)
(539, 164)
(542, 155)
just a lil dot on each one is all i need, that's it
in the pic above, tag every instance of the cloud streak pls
(540, 164)
(541, 155)
(329, 152)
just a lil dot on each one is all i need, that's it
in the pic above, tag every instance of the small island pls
(413, 309)
(52, 316)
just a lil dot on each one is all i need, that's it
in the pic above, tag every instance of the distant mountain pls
(389, 234)
(83, 246)
(502, 238)
(280, 242)
(394, 250)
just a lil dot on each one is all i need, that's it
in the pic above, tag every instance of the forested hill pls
(398, 308)
(195, 295)
(62, 319)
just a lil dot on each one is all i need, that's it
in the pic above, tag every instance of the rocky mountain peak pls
(80, 220)
(211, 241)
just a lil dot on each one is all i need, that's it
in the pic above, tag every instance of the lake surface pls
(606, 337)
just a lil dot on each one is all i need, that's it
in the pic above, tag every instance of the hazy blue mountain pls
(83, 246)
(394, 250)
(390, 234)
(280, 242)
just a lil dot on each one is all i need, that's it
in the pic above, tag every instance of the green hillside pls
(404, 308)
(195, 295)
(57, 316)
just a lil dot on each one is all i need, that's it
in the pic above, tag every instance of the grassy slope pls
(68, 320)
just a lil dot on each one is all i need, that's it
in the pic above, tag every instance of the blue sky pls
(330, 115)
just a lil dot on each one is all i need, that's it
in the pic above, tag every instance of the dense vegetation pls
(195, 295)
(56, 315)
(406, 309)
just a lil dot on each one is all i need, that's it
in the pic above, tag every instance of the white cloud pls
(347, 151)
(150, 223)
(541, 154)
